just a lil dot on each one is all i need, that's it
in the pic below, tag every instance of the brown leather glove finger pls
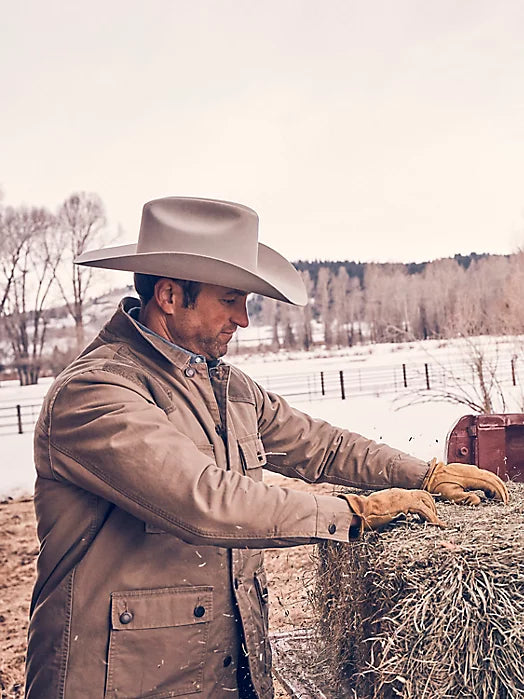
(426, 508)
(453, 480)
(378, 509)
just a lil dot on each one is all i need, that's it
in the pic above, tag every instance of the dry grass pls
(416, 611)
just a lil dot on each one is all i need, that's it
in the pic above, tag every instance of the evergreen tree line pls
(351, 303)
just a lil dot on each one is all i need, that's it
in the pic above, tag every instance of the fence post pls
(19, 416)
(322, 386)
(513, 377)
(342, 390)
(404, 376)
(426, 369)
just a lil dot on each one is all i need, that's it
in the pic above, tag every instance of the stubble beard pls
(215, 347)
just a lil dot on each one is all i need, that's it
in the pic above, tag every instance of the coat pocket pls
(252, 456)
(158, 640)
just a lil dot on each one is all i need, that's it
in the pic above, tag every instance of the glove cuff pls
(429, 478)
(355, 504)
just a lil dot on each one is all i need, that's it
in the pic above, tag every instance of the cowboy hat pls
(204, 240)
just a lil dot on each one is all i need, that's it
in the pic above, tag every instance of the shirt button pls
(332, 528)
(199, 611)
(228, 660)
(189, 372)
(126, 617)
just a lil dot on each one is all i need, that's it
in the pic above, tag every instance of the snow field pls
(420, 430)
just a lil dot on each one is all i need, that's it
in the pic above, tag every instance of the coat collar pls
(123, 327)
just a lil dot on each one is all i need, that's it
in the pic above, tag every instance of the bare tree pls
(340, 288)
(305, 315)
(511, 308)
(82, 223)
(324, 303)
(287, 319)
(270, 316)
(16, 228)
(347, 306)
(31, 272)
(386, 290)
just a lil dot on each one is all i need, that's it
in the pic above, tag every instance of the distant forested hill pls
(357, 269)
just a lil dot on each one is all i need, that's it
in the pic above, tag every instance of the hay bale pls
(417, 611)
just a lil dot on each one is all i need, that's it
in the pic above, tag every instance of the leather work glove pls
(453, 480)
(378, 509)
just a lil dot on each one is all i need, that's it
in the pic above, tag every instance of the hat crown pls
(204, 240)
(204, 227)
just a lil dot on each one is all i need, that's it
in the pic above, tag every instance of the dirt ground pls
(289, 570)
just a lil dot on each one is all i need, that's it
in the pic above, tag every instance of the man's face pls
(208, 326)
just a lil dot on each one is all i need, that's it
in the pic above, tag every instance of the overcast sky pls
(358, 129)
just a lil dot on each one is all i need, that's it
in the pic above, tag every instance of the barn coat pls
(152, 516)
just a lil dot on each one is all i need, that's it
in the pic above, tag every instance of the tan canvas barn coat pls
(152, 517)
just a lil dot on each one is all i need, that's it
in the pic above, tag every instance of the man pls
(152, 513)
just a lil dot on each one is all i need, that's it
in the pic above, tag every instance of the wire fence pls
(391, 379)
(341, 383)
(18, 418)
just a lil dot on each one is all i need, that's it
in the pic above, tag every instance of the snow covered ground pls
(417, 429)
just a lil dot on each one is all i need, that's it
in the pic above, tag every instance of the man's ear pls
(168, 295)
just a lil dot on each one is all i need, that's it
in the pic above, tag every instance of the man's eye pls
(228, 301)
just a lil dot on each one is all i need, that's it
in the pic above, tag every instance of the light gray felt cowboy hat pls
(204, 240)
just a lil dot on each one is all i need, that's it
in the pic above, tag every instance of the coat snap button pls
(332, 528)
(189, 372)
(199, 611)
(126, 617)
(228, 660)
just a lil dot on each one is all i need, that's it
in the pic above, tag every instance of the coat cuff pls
(408, 472)
(334, 518)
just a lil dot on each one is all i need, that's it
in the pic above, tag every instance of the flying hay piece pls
(420, 612)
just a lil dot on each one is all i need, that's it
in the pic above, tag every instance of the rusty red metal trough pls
(494, 442)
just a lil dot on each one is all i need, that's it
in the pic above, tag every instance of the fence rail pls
(332, 383)
(380, 380)
(18, 418)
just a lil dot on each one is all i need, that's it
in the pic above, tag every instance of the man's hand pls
(453, 480)
(378, 509)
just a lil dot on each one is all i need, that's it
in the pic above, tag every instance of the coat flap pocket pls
(252, 450)
(167, 606)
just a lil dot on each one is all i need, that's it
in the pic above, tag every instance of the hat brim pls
(275, 276)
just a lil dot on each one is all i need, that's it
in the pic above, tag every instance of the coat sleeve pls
(103, 436)
(300, 446)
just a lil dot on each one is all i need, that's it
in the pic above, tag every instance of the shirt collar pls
(193, 357)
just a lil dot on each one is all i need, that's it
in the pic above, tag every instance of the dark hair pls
(145, 288)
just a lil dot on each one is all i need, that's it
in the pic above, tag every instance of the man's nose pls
(240, 316)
